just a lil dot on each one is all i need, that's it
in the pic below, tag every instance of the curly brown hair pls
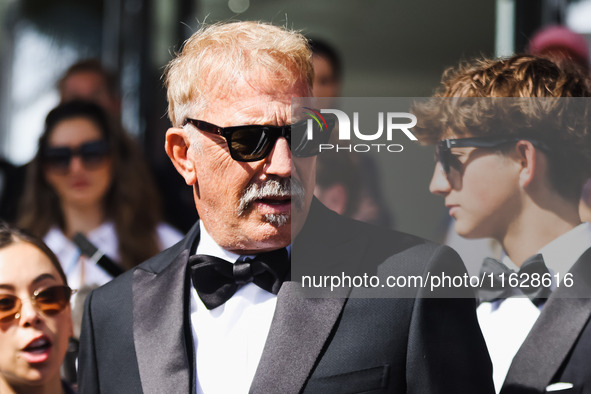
(132, 201)
(523, 96)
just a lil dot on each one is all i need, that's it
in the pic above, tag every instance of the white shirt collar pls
(104, 233)
(563, 252)
(208, 246)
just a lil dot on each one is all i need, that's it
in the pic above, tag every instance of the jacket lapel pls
(554, 334)
(298, 333)
(302, 325)
(159, 303)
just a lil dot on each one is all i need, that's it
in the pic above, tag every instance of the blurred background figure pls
(372, 207)
(88, 80)
(328, 69)
(35, 321)
(585, 203)
(338, 186)
(561, 45)
(347, 183)
(11, 183)
(88, 178)
(568, 50)
(84, 80)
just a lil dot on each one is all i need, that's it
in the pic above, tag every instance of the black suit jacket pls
(558, 347)
(135, 339)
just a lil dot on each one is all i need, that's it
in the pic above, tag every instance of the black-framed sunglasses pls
(443, 148)
(92, 154)
(255, 142)
(49, 300)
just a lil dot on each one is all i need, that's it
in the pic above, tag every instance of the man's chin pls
(468, 232)
(278, 219)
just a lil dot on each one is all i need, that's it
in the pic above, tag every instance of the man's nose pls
(279, 160)
(439, 183)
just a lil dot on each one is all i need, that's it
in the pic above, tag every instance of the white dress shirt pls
(81, 272)
(506, 323)
(229, 339)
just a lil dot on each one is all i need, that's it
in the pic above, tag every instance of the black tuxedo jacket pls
(558, 347)
(135, 337)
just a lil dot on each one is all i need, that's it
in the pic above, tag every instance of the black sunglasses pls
(255, 142)
(92, 154)
(50, 300)
(443, 148)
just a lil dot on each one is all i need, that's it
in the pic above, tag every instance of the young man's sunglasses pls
(443, 148)
(92, 154)
(255, 142)
(50, 300)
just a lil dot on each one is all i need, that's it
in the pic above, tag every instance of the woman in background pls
(88, 177)
(35, 321)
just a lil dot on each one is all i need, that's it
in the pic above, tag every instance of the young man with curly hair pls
(514, 150)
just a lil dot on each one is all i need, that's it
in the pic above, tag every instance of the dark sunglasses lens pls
(53, 299)
(442, 154)
(9, 306)
(93, 153)
(250, 143)
(58, 158)
(308, 135)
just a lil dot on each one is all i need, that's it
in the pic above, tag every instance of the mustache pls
(274, 187)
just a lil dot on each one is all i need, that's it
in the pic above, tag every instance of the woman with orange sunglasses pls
(35, 317)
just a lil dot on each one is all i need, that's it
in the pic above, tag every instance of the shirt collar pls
(103, 234)
(563, 252)
(208, 246)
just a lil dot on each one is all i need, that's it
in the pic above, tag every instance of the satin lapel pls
(158, 316)
(298, 333)
(553, 335)
(302, 325)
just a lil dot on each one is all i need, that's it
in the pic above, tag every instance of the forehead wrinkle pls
(258, 99)
(265, 113)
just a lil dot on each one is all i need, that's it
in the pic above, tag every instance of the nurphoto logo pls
(388, 123)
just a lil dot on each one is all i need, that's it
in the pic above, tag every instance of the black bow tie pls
(502, 289)
(216, 280)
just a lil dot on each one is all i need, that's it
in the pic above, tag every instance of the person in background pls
(11, 185)
(88, 178)
(328, 69)
(561, 45)
(85, 80)
(337, 182)
(512, 159)
(569, 50)
(346, 183)
(89, 80)
(35, 321)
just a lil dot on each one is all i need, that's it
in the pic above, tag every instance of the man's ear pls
(528, 156)
(177, 148)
